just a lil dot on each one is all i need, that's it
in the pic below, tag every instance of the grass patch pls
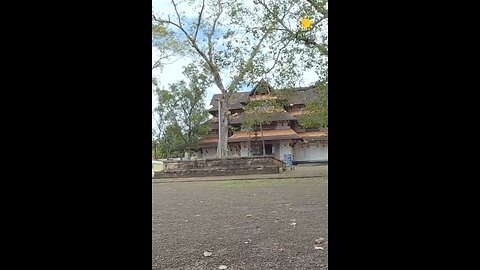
(271, 182)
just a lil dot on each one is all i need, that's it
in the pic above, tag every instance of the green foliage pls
(181, 113)
(294, 50)
(259, 112)
(315, 114)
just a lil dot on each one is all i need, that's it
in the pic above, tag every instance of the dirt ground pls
(245, 224)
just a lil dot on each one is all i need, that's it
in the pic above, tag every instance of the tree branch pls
(199, 20)
(243, 69)
(209, 35)
(319, 8)
(307, 41)
(178, 15)
(278, 55)
(158, 62)
(213, 68)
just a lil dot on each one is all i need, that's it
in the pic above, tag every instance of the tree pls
(313, 42)
(239, 43)
(295, 49)
(256, 115)
(259, 112)
(182, 113)
(219, 47)
(315, 114)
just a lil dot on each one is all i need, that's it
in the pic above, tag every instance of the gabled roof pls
(261, 87)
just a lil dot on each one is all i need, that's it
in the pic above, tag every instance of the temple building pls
(283, 136)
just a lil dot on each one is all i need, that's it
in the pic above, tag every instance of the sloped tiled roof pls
(234, 102)
(301, 96)
(275, 134)
(279, 116)
(212, 141)
(238, 119)
(238, 99)
(314, 135)
(275, 116)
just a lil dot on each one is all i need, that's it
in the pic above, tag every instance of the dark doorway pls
(268, 149)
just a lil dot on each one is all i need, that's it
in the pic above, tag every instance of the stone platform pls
(221, 167)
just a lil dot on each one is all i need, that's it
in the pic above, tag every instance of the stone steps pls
(242, 170)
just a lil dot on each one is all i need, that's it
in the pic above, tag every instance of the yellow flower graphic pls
(306, 23)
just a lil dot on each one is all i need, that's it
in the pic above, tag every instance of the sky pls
(172, 73)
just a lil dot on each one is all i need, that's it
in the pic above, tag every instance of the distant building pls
(283, 136)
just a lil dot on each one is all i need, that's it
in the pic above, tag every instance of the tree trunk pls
(250, 147)
(263, 141)
(168, 151)
(223, 129)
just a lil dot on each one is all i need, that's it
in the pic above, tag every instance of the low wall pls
(227, 166)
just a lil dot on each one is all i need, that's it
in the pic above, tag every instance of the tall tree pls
(225, 56)
(182, 111)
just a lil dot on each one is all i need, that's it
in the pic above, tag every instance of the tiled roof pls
(277, 116)
(237, 119)
(234, 102)
(301, 96)
(314, 135)
(263, 97)
(293, 95)
(208, 141)
(275, 134)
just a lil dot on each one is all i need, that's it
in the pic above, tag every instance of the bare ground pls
(245, 224)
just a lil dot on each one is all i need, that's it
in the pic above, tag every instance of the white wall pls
(285, 148)
(311, 153)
